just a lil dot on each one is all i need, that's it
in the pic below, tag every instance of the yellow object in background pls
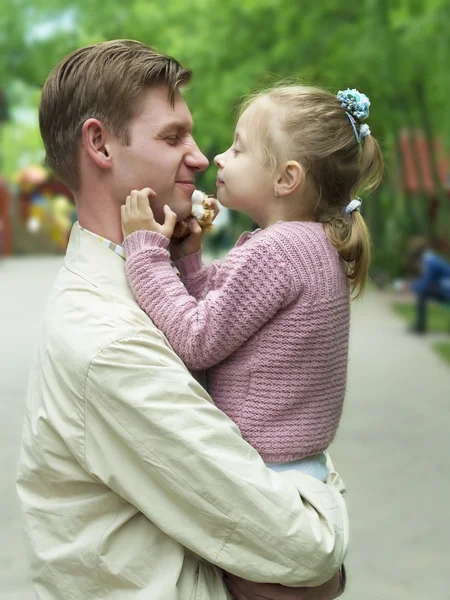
(61, 210)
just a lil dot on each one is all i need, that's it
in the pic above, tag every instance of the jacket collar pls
(96, 263)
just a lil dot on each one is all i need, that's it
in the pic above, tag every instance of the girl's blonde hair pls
(319, 135)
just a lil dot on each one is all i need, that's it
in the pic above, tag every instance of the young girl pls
(271, 322)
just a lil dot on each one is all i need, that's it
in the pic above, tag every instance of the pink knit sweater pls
(270, 323)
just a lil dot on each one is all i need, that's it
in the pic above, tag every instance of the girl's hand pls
(136, 214)
(193, 242)
(190, 245)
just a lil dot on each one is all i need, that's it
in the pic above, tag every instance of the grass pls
(438, 322)
(443, 348)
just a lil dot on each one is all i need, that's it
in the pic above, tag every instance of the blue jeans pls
(433, 292)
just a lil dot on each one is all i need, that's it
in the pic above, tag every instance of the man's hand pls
(136, 214)
(247, 590)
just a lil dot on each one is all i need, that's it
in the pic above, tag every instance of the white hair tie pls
(352, 206)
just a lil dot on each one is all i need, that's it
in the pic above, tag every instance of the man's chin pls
(181, 203)
(182, 210)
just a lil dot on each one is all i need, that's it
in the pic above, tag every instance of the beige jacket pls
(133, 484)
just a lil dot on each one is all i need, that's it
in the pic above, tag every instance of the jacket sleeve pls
(252, 285)
(197, 277)
(153, 436)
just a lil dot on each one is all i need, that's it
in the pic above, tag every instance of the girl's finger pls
(194, 227)
(143, 203)
(148, 192)
(170, 219)
(134, 202)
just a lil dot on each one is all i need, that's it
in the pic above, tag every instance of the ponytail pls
(351, 238)
(350, 235)
(371, 165)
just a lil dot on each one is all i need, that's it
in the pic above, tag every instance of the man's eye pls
(173, 139)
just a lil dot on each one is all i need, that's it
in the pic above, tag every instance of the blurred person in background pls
(433, 282)
(133, 484)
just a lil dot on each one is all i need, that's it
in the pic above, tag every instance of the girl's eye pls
(234, 151)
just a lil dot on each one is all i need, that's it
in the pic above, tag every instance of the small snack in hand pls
(202, 211)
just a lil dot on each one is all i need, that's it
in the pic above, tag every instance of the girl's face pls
(243, 183)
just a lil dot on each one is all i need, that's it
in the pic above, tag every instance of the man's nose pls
(196, 159)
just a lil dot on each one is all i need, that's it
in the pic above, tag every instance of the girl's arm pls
(249, 287)
(197, 277)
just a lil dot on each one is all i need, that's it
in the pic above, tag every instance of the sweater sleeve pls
(252, 284)
(196, 276)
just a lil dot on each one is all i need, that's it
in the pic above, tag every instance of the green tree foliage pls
(394, 51)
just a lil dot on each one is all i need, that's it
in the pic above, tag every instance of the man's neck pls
(102, 219)
(109, 231)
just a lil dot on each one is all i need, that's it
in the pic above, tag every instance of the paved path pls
(24, 285)
(392, 447)
(393, 450)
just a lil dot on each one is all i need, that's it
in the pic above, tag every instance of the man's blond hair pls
(103, 81)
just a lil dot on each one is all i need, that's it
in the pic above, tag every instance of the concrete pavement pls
(392, 447)
(393, 451)
(24, 285)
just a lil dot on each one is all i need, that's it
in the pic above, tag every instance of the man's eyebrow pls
(176, 126)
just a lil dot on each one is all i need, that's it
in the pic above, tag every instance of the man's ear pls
(289, 178)
(94, 139)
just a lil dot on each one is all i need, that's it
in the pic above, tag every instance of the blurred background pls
(392, 447)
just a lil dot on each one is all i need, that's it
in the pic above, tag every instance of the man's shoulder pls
(83, 318)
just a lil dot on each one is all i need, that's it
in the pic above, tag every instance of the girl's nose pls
(218, 160)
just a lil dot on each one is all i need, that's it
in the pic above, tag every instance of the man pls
(433, 282)
(133, 484)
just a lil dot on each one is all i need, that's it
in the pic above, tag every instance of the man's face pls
(162, 154)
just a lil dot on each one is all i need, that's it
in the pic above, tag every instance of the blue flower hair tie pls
(356, 106)
(355, 103)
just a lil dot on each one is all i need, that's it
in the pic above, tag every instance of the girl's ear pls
(94, 138)
(289, 178)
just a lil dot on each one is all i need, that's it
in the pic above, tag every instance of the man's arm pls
(154, 437)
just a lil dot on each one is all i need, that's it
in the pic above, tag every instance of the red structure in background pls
(417, 175)
(51, 186)
(5, 196)
(5, 220)
(37, 189)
